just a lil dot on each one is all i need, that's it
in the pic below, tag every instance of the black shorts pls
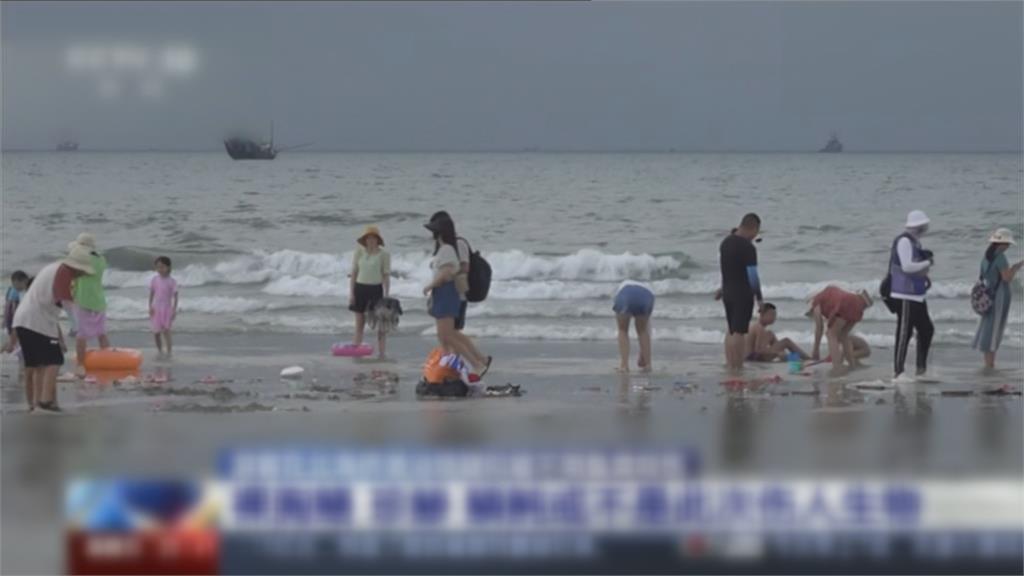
(460, 320)
(738, 314)
(365, 296)
(39, 350)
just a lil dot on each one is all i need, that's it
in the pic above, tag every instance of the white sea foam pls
(517, 275)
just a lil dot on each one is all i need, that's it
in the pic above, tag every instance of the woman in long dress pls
(998, 274)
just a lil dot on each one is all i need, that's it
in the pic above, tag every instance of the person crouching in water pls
(843, 310)
(90, 307)
(762, 345)
(444, 303)
(37, 326)
(635, 301)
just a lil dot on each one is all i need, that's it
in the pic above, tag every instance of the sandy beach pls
(802, 426)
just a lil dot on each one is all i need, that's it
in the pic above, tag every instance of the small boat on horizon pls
(67, 146)
(833, 145)
(241, 148)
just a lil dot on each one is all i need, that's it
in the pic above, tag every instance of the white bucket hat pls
(84, 239)
(1002, 236)
(916, 219)
(79, 258)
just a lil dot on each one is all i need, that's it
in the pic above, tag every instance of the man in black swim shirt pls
(740, 286)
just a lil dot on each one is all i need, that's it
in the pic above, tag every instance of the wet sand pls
(803, 425)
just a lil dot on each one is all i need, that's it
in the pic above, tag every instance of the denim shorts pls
(444, 301)
(634, 301)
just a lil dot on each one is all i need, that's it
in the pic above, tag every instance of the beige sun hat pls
(1002, 236)
(79, 258)
(370, 231)
(84, 239)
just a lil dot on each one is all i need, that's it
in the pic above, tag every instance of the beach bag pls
(479, 276)
(983, 297)
(885, 288)
(438, 369)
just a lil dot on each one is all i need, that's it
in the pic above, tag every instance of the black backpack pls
(479, 276)
(885, 288)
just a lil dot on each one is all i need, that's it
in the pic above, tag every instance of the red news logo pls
(162, 552)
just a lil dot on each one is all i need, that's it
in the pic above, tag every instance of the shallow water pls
(264, 246)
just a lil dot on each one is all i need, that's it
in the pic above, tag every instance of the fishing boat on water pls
(241, 148)
(833, 145)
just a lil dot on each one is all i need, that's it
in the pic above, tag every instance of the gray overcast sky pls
(576, 76)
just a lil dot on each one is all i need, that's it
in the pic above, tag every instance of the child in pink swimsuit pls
(163, 303)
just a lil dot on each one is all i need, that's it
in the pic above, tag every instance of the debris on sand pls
(221, 393)
(299, 396)
(193, 407)
(507, 389)
(1004, 390)
(213, 380)
(378, 377)
(684, 387)
(797, 393)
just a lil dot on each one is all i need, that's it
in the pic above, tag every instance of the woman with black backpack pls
(444, 304)
(996, 275)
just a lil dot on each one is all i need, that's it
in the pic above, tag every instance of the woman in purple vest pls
(910, 264)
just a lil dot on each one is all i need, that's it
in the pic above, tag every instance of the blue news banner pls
(330, 510)
(356, 510)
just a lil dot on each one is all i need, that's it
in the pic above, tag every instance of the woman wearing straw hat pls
(996, 272)
(369, 282)
(36, 323)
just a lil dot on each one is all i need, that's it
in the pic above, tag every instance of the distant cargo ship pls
(67, 146)
(833, 145)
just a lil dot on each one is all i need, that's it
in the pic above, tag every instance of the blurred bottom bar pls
(999, 552)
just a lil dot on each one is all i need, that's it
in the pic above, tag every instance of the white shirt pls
(445, 256)
(38, 312)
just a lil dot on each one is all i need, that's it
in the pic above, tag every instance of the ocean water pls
(265, 246)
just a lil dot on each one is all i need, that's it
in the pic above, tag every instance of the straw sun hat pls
(370, 231)
(80, 259)
(84, 239)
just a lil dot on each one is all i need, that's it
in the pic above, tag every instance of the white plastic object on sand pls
(292, 372)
